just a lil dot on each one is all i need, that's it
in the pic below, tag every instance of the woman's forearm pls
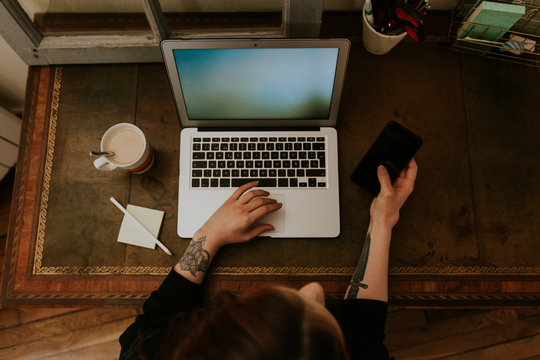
(370, 279)
(196, 260)
(232, 223)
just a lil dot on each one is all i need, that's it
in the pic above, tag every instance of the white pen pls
(369, 13)
(148, 233)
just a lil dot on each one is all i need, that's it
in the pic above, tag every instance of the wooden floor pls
(43, 333)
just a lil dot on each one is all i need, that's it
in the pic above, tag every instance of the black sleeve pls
(362, 322)
(175, 295)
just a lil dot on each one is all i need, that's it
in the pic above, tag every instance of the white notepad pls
(151, 219)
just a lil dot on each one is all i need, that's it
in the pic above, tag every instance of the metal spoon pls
(101, 153)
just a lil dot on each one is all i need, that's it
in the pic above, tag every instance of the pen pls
(140, 226)
(369, 13)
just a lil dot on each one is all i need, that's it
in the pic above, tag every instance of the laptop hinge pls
(285, 128)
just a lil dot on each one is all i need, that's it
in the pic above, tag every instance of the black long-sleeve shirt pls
(362, 321)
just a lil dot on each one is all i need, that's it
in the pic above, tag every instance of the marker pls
(369, 12)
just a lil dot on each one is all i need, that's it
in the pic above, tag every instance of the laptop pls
(259, 110)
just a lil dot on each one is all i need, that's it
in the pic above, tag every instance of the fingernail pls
(382, 169)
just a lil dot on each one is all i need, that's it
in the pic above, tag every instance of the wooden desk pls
(466, 237)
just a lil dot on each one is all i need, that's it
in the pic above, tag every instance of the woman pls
(273, 322)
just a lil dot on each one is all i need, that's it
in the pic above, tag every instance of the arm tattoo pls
(195, 258)
(358, 276)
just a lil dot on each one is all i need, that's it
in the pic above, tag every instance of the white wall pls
(13, 72)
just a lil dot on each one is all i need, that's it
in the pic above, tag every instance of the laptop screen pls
(257, 83)
(263, 83)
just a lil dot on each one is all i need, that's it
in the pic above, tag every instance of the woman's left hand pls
(385, 207)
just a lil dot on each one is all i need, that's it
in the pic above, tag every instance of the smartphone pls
(394, 148)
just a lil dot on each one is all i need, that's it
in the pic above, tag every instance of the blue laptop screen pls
(284, 83)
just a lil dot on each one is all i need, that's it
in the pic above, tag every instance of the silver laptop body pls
(259, 109)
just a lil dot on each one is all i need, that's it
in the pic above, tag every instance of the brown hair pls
(266, 323)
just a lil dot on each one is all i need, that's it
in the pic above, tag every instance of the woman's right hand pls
(234, 221)
(385, 207)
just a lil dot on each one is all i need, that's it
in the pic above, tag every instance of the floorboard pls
(33, 314)
(9, 318)
(467, 341)
(60, 325)
(536, 357)
(405, 319)
(443, 329)
(71, 341)
(104, 351)
(512, 350)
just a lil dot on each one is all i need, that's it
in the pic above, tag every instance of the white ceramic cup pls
(131, 150)
(375, 42)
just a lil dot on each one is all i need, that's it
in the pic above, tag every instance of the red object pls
(402, 15)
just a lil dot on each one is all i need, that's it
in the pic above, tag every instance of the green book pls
(498, 15)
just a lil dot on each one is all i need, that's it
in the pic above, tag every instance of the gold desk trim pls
(38, 269)
(42, 222)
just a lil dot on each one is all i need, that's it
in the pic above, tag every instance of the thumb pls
(259, 229)
(384, 180)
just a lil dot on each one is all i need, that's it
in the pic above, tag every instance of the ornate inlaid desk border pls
(291, 270)
(42, 220)
(38, 269)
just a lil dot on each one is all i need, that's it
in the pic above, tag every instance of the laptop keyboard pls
(282, 162)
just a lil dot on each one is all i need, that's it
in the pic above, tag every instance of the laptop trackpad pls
(277, 218)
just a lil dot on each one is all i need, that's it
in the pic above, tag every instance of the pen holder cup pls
(375, 42)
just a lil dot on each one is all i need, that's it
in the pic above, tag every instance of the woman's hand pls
(385, 207)
(234, 221)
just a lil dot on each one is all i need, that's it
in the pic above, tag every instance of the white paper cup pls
(375, 42)
(132, 152)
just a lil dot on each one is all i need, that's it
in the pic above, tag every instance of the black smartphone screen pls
(394, 148)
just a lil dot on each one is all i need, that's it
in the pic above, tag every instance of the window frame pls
(300, 18)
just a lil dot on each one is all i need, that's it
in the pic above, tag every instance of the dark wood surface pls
(465, 238)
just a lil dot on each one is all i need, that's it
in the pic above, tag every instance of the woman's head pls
(267, 323)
